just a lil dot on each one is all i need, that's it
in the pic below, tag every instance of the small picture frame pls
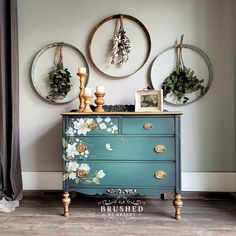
(149, 101)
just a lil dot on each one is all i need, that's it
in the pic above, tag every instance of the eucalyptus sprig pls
(182, 80)
(59, 78)
(59, 83)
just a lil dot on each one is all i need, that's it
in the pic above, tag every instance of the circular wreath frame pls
(205, 58)
(112, 18)
(39, 54)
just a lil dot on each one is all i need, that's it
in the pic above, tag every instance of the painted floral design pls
(81, 173)
(82, 126)
(76, 149)
(100, 174)
(108, 147)
(71, 150)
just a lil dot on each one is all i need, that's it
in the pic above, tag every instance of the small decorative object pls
(151, 101)
(119, 108)
(99, 100)
(82, 75)
(59, 78)
(182, 80)
(121, 44)
(87, 98)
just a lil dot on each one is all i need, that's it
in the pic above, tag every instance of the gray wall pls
(208, 126)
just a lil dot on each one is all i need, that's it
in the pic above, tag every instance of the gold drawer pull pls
(147, 126)
(81, 148)
(82, 173)
(93, 126)
(160, 148)
(160, 174)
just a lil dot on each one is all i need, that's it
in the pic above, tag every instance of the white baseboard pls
(209, 181)
(191, 181)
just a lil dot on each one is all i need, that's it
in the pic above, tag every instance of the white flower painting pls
(85, 167)
(107, 119)
(100, 174)
(108, 147)
(102, 126)
(72, 166)
(71, 150)
(82, 126)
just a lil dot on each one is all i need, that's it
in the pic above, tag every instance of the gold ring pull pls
(160, 148)
(93, 126)
(147, 126)
(81, 148)
(160, 174)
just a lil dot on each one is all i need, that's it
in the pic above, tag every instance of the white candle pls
(100, 89)
(87, 91)
(82, 70)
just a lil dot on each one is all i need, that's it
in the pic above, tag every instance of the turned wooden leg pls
(178, 203)
(66, 202)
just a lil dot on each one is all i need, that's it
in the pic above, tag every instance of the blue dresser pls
(129, 152)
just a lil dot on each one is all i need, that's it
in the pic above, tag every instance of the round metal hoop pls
(39, 54)
(205, 58)
(111, 18)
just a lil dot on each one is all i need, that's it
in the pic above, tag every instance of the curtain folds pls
(10, 166)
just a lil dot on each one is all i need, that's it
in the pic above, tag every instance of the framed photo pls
(151, 101)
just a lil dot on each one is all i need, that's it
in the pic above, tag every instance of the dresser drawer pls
(120, 148)
(127, 174)
(92, 125)
(148, 125)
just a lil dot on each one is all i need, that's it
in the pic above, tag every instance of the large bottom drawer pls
(127, 174)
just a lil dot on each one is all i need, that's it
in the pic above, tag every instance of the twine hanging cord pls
(58, 58)
(179, 56)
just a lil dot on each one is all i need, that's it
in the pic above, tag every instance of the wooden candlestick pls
(87, 102)
(82, 77)
(99, 102)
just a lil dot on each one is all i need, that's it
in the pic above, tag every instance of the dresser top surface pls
(123, 113)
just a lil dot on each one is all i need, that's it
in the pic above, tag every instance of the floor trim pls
(191, 181)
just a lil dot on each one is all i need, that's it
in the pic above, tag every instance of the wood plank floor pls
(43, 216)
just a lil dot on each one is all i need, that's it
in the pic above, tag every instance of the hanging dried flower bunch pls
(59, 78)
(121, 44)
(182, 80)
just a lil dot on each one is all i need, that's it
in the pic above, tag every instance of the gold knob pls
(81, 173)
(160, 174)
(81, 147)
(160, 148)
(147, 126)
(93, 126)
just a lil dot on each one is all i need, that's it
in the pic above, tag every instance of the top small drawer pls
(91, 125)
(148, 125)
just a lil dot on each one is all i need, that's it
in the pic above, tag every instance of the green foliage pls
(182, 81)
(64, 142)
(65, 176)
(59, 82)
(96, 180)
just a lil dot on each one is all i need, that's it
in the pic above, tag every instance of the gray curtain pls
(10, 166)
